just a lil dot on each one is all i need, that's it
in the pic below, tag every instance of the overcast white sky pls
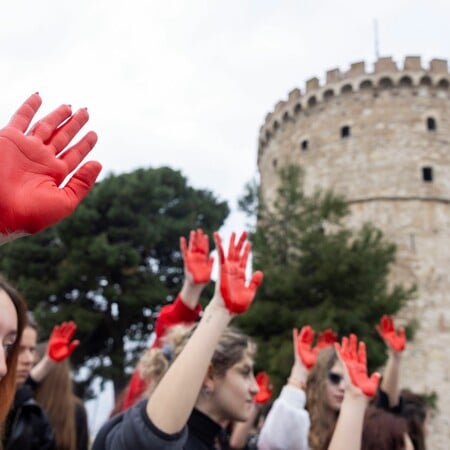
(188, 83)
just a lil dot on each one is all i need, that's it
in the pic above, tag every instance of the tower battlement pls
(385, 75)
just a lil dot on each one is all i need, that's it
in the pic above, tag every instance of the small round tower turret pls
(382, 139)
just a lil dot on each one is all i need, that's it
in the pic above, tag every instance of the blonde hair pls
(323, 419)
(155, 361)
(230, 349)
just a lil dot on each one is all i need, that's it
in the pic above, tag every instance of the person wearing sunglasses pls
(307, 409)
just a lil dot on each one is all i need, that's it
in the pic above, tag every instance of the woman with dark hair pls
(12, 322)
(27, 426)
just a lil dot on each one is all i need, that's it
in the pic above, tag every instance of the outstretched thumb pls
(73, 345)
(82, 181)
(256, 280)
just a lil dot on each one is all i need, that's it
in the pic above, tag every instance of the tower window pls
(427, 174)
(345, 131)
(431, 124)
(304, 145)
(275, 163)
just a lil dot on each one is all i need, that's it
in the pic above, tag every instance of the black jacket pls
(133, 430)
(27, 424)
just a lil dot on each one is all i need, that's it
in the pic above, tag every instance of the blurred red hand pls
(303, 343)
(355, 360)
(395, 340)
(34, 165)
(325, 339)
(59, 345)
(236, 295)
(196, 257)
(265, 390)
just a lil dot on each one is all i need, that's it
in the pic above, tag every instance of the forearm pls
(5, 238)
(348, 432)
(391, 377)
(172, 401)
(42, 369)
(190, 293)
(298, 376)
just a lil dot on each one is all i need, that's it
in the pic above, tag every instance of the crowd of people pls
(195, 387)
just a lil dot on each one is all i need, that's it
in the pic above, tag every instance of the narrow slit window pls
(431, 124)
(345, 131)
(275, 163)
(304, 145)
(427, 174)
(412, 241)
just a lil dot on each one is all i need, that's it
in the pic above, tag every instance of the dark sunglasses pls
(335, 378)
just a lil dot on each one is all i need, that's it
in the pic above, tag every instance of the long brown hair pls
(383, 430)
(415, 412)
(323, 419)
(55, 395)
(8, 382)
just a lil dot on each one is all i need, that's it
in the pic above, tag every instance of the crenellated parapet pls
(386, 75)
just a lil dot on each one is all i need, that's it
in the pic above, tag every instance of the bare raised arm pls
(34, 165)
(359, 389)
(395, 341)
(173, 399)
(60, 346)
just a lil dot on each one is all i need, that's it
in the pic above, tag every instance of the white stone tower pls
(382, 139)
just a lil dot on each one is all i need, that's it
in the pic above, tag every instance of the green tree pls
(112, 264)
(316, 271)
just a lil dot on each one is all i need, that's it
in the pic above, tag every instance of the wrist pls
(354, 395)
(394, 355)
(299, 372)
(49, 360)
(297, 383)
(5, 238)
(216, 309)
(190, 293)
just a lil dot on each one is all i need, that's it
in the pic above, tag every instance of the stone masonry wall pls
(398, 124)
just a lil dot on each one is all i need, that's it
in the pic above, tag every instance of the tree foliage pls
(112, 264)
(317, 271)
